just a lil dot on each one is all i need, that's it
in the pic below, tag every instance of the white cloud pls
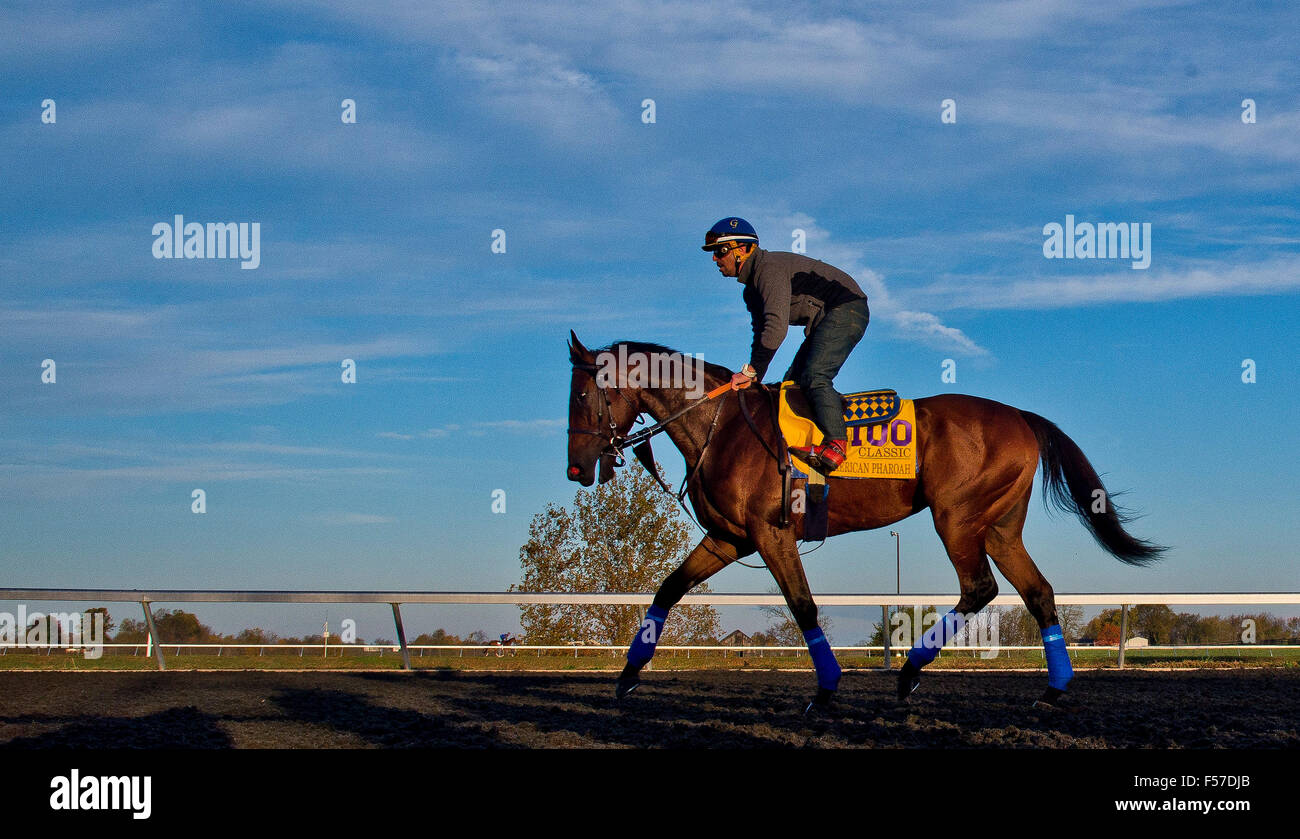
(910, 325)
(353, 518)
(481, 428)
(927, 329)
(1123, 285)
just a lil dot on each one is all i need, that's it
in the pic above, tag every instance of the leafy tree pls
(1191, 629)
(173, 627)
(257, 635)
(1161, 625)
(625, 535)
(1100, 625)
(1269, 629)
(439, 637)
(1107, 635)
(1155, 623)
(89, 617)
(478, 636)
(176, 626)
(131, 631)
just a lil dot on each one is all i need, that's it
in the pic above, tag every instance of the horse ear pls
(577, 352)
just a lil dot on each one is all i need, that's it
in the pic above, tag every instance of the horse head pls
(601, 411)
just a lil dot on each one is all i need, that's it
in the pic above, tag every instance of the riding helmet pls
(729, 230)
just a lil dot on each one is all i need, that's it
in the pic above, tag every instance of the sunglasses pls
(723, 250)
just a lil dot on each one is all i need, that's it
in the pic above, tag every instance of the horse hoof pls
(1051, 700)
(820, 704)
(625, 686)
(909, 679)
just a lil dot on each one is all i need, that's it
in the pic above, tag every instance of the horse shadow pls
(174, 728)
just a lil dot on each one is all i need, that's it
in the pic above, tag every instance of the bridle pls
(615, 443)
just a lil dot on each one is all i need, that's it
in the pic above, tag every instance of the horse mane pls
(716, 371)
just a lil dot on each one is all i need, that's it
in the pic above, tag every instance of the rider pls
(789, 288)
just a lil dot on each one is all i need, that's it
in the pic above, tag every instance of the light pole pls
(898, 562)
(898, 589)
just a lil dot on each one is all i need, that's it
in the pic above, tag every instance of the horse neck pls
(689, 432)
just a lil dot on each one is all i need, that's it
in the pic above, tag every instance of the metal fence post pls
(1123, 632)
(884, 633)
(401, 637)
(153, 635)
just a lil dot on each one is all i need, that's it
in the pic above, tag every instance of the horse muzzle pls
(586, 476)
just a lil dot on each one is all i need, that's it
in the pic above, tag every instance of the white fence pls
(397, 598)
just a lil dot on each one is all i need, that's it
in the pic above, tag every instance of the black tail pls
(1072, 485)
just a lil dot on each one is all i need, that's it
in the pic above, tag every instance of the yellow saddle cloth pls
(880, 449)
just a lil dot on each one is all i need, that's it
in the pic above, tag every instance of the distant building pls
(736, 639)
(1136, 641)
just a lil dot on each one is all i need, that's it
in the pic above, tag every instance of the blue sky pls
(376, 246)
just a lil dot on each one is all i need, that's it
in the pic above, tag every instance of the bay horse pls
(976, 462)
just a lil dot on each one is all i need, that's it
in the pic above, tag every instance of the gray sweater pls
(789, 288)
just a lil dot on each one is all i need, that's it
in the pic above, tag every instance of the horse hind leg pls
(1008, 551)
(978, 588)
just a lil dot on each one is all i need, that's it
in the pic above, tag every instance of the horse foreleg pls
(781, 555)
(709, 557)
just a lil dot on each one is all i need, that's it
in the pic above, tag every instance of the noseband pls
(615, 443)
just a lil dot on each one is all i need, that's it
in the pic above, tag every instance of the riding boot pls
(826, 458)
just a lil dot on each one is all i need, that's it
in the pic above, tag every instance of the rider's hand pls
(744, 378)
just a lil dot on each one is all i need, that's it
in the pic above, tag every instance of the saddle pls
(882, 433)
(881, 444)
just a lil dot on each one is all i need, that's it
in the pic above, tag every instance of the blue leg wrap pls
(647, 637)
(924, 651)
(1059, 671)
(828, 669)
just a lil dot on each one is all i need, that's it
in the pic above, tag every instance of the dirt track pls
(700, 709)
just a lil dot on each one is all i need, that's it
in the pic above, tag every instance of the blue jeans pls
(819, 360)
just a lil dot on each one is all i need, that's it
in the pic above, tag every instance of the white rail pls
(145, 597)
(557, 598)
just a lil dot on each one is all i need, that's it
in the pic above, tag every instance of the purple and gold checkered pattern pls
(870, 407)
